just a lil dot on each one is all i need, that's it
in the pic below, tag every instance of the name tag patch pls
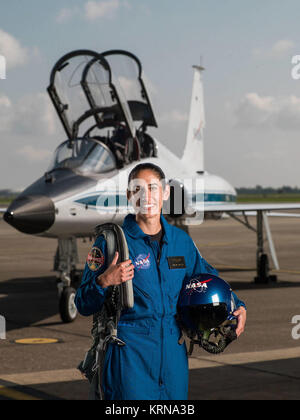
(176, 262)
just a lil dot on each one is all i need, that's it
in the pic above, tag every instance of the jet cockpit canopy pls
(82, 94)
(92, 92)
(86, 155)
(127, 68)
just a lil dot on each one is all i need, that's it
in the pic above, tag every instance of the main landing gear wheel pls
(263, 271)
(67, 307)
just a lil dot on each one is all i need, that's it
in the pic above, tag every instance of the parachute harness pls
(104, 329)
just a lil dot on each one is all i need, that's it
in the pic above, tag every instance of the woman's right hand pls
(116, 273)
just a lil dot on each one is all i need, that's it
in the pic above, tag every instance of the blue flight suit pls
(152, 365)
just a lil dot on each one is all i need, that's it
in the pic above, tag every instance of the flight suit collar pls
(133, 229)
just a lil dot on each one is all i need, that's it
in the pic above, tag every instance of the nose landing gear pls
(67, 307)
(69, 278)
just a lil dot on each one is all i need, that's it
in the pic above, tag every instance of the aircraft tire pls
(264, 270)
(264, 267)
(67, 308)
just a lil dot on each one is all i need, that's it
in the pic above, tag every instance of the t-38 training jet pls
(105, 110)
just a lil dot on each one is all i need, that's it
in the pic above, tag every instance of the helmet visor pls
(208, 316)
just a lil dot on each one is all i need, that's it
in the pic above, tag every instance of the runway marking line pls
(217, 244)
(198, 362)
(236, 359)
(35, 378)
(44, 377)
(236, 267)
(37, 341)
(286, 271)
(13, 394)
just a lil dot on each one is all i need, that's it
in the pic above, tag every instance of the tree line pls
(8, 193)
(258, 189)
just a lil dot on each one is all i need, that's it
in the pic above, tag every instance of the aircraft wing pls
(270, 214)
(252, 209)
(234, 208)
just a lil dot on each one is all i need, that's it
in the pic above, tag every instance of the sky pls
(252, 102)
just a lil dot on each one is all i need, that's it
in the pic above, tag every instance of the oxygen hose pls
(224, 336)
(214, 348)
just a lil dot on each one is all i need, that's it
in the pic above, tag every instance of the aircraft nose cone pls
(31, 214)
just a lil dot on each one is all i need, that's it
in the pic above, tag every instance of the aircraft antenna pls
(199, 67)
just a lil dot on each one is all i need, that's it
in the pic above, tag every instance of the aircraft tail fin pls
(193, 155)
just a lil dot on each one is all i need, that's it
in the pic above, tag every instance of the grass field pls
(268, 198)
(5, 201)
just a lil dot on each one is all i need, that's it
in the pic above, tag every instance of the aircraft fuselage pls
(66, 203)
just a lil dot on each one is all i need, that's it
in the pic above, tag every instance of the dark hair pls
(147, 166)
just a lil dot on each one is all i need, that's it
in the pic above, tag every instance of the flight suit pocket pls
(174, 284)
(143, 302)
(126, 328)
(106, 376)
(175, 330)
(141, 291)
(173, 291)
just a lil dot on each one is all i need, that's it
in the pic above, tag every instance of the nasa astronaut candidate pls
(152, 365)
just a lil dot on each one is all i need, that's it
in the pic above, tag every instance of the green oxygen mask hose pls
(216, 340)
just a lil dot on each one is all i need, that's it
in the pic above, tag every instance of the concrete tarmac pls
(262, 364)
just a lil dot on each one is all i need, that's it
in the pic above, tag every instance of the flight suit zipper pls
(163, 308)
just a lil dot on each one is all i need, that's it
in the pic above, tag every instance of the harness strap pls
(120, 297)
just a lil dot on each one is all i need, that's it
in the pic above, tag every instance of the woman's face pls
(146, 194)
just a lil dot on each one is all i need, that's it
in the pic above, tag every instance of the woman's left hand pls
(241, 315)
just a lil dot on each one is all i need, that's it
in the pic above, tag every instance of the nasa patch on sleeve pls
(95, 259)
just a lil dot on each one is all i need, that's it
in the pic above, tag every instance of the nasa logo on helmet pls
(205, 309)
(206, 289)
(195, 285)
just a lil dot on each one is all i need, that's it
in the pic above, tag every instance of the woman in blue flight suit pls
(152, 365)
